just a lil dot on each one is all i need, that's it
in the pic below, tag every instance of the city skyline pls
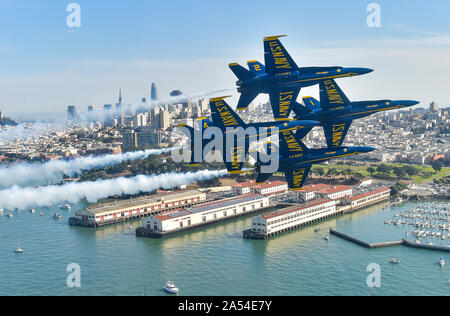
(57, 66)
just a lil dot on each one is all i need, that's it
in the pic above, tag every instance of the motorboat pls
(10, 215)
(317, 230)
(66, 207)
(57, 216)
(327, 238)
(442, 262)
(18, 249)
(171, 288)
(32, 210)
(394, 261)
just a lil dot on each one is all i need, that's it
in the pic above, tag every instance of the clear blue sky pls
(36, 43)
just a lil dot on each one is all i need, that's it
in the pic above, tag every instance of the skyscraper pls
(154, 93)
(72, 114)
(434, 107)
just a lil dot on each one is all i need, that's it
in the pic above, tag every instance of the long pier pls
(365, 244)
(402, 242)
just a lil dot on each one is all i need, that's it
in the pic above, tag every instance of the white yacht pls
(171, 288)
(18, 249)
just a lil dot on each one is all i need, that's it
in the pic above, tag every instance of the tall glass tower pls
(154, 93)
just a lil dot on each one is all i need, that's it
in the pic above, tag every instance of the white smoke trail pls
(23, 198)
(42, 173)
(24, 131)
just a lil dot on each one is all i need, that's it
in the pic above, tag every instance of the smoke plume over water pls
(42, 173)
(23, 198)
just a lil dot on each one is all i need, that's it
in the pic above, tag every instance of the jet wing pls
(335, 132)
(296, 177)
(281, 101)
(277, 59)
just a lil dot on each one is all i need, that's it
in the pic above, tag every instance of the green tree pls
(399, 172)
(371, 170)
(437, 166)
(411, 171)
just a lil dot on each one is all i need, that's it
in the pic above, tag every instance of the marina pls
(429, 224)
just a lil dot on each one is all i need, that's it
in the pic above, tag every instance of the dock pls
(363, 243)
(402, 242)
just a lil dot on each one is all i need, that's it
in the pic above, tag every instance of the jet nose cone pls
(358, 71)
(364, 71)
(407, 103)
(366, 149)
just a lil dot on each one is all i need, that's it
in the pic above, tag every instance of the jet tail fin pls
(311, 103)
(331, 95)
(241, 72)
(277, 58)
(300, 110)
(223, 115)
(256, 67)
(291, 146)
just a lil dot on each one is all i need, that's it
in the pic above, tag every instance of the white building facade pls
(202, 214)
(271, 223)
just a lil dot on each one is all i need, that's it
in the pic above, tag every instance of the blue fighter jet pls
(224, 118)
(335, 112)
(281, 78)
(296, 160)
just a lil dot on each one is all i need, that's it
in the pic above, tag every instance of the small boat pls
(32, 210)
(57, 216)
(327, 238)
(18, 249)
(442, 262)
(317, 230)
(10, 215)
(171, 288)
(394, 261)
(65, 207)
